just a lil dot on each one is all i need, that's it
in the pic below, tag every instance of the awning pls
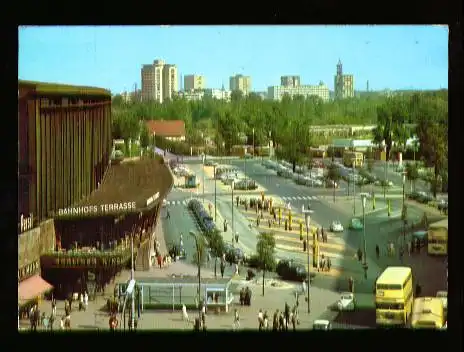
(128, 187)
(32, 288)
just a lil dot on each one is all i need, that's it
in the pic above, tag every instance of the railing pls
(78, 259)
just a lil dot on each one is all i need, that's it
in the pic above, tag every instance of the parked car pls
(289, 270)
(443, 205)
(322, 324)
(210, 163)
(443, 295)
(356, 224)
(346, 302)
(336, 226)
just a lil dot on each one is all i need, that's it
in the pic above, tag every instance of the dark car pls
(289, 270)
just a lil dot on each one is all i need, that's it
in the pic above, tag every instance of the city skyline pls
(389, 57)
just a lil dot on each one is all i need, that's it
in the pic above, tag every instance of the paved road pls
(379, 227)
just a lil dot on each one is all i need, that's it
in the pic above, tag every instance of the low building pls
(220, 94)
(173, 130)
(278, 92)
(192, 95)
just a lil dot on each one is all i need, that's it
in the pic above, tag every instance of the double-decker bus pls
(428, 313)
(353, 157)
(394, 296)
(437, 238)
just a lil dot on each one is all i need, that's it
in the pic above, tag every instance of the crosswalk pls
(175, 202)
(299, 198)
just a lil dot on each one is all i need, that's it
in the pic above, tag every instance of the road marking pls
(341, 247)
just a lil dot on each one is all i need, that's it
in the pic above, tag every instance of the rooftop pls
(394, 274)
(126, 187)
(62, 89)
(166, 128)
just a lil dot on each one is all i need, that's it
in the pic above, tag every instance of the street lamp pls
(363, 198)
(354, 191)
(195, 236)
(403, 213)
(307, 222)
(232, 186)
(253, 154)
(214, 173)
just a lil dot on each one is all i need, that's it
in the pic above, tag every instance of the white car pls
(443, 295)
(336, 226)
(346, 302)
(322, 324)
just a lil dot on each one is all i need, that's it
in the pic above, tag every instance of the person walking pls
(236, 323)
(377, 251)
(287, 315)
(409, 248)
(260, 320)
(86, 300)
(81, 301)
(304, 245)
(275, 321)
(401, 254)
(168, 214)
(242, 296)
(360, 254)
(329, 264)
(266, 320)
(53, 306)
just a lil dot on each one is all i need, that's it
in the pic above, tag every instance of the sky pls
(111, 57)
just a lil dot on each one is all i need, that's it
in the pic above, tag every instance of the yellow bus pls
(350, 157)
(428, 313)
(394, 296)
(437, 238)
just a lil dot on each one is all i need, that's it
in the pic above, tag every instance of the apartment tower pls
(241, 83)
(194, 82)
(159, 81)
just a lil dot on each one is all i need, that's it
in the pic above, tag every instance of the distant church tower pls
(338, 82)
(339, 68)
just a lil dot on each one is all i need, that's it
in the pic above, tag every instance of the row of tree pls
(287, 123)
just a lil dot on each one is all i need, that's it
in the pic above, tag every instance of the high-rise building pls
(241, 83)
(159, 81)
(194, 82)
(290, 81)
(170, 81)
(343, 84)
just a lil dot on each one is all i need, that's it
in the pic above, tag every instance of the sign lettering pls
(94, 209)
(26, 224)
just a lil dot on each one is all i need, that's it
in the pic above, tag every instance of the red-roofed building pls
(173, 130)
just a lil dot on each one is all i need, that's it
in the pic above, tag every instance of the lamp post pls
(363, 198)
(403, 212)
(194, 235)
(354, 191)
(307, 222)
(253, 154)
(232, 186)
(132, 321)
(214, 173)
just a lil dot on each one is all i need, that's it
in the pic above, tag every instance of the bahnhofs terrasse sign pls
(91, 210)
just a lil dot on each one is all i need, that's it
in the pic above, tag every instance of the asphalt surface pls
(379, 228)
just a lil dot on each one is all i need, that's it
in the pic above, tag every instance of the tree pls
(265, 249)
(333, 174)
(144, 137)
(216, 243)
(412, 174)
(200, 252)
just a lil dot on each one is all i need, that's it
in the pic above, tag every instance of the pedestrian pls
(242, 296)
(168, 215)
(247, 296)
(392, 249)
(281, 322)
(51, 320)
(222, 267)
(275, 216)
(236, 324)
(287, 315)
(304, 245)
(412, 245)
(53, 306)
(377, 251)
(351, 284)
(36, 317)
(185, 316)
(86, 300)
(225, 225)
(303, 287)
(237, 200)
(160, 261)
(67, 309)
(275, 321)
(293, 320)
(418, 247)
(62, 323)
(360, 255)
(236, 237)
(266, 320)
(401, 253)
(203, 316)
(329, 264)
(260, 320)
(81, 301)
